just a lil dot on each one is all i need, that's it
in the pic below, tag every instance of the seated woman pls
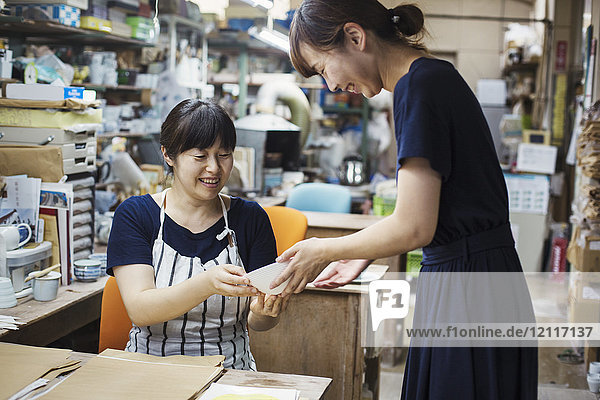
(180, 256)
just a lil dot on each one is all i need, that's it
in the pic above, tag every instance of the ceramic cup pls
(593, 382)
(7, 294)
(45, 288)
(594, 367)
(15, 236)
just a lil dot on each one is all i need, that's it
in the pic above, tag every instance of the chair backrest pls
(114, 321)
(289, 226)
(323, 197)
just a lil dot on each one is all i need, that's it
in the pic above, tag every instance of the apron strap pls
(163, 206)
(234, 254)
(226, 232)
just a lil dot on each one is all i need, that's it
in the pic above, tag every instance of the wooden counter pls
(76, 305)
(318, 334)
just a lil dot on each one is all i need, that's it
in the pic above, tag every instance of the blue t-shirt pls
(438, 117)
(137, 220)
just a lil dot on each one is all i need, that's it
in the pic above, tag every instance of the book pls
(19, 202)
(57, 199)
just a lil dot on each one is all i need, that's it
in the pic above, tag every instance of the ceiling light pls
(268, 4)
(271, 37)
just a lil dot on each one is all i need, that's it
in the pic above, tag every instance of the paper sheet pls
(22, 365)
(118, 378)
(207, 361)
(218, 391)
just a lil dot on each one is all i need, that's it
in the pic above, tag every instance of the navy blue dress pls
(438, 117)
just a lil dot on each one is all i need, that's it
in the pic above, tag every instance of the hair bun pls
(410, 21)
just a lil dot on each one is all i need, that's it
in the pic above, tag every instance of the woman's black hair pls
(320, 24)
(196, 124)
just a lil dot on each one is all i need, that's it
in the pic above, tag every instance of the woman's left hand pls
(268, 305)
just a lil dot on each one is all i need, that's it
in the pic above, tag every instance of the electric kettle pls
(352, 170)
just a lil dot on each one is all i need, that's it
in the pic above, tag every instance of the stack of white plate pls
(7, 294)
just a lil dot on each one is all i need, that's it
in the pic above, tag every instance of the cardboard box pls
(42, 118)
(96, 24)
(35, 161)
(584, 297)
(40, 91)
(121, 29)
(82, 4)
(69, 150)
(586, 258)
(60, 13)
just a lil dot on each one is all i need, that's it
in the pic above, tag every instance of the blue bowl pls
(87, 270)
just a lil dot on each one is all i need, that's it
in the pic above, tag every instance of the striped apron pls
(216, 326)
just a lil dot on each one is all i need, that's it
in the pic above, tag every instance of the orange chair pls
(289, 226)
(114, 321)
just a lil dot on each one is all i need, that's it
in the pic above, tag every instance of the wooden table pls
(310, 387)
(76, 305)
(319, 334)
(321, 224)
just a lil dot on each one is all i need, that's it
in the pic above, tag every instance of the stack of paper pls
(21, 365)
(121, 375)
(218, 391)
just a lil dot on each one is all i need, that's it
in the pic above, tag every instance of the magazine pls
(19, 202)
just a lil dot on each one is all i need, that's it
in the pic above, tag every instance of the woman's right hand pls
(229, 280)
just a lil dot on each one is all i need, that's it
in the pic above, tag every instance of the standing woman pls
(452, 198)
(179, 256)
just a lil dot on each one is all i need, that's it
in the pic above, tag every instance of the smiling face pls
(202, 173)
(350, 68)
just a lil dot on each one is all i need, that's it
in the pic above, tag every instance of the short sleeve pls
(421, 132)
(263, 249)
(130, 240)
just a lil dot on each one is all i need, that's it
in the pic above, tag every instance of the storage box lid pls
(21, 257)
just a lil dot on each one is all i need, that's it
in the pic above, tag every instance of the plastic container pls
(383, 205)
(413, 263)
(22, 262)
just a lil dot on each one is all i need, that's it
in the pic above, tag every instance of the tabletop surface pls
(29, 310)
(340, 221)
(310, 387)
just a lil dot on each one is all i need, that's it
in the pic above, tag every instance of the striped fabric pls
(217, 326)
